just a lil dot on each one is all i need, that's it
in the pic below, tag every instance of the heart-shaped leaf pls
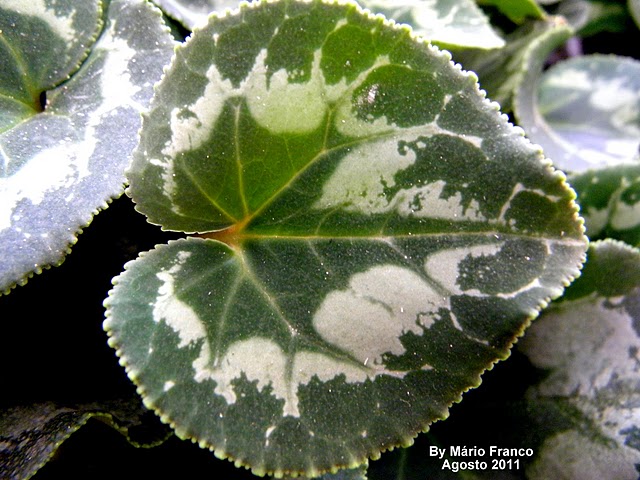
(59, 166)
(379, 236)
(585, 112)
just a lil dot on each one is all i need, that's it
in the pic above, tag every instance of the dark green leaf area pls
(612, 270)
(461, 166)
(241, 39)
(495, 319)
(347, 52)
(298, 37)
(530, 210)
(37, 54)
(493, 274)
(450, 351)
(402, 95)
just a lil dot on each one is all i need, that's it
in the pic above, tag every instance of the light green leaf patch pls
(455, 23)
(589, 347)
(58, 167)
(610, 202)
(587, 112)
(374, 235)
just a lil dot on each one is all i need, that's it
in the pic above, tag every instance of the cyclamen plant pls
(366, 231)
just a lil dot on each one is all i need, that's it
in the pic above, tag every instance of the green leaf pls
(587, 111)
(379, 236)
(589, 347)
(509, 72)
(517, 11)
(60, 166)
(31, 434)
(456, 23)
(190, 13)
(41, 45)
(609, 200)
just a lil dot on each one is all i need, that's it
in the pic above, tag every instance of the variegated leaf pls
(590, 347)
(60, 166)
(456, 23)
(375, 234)
(610, 202)
(585, 112)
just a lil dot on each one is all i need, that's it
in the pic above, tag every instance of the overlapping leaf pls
(378, 236)
(610, 202)
(509, 75)
(458, 23)
(589, 347)
(60, 165)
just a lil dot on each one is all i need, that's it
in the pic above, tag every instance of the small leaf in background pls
(30, 435)
(610, 202)
(60, 166)
(517, 11)
(191, 13)
(590, 17)
(457, 24)
(634, 9)
(587, 112)
(590, 348)
(503, 72)
(375, 236)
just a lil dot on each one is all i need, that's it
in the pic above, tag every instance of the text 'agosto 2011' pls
(460, 458)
